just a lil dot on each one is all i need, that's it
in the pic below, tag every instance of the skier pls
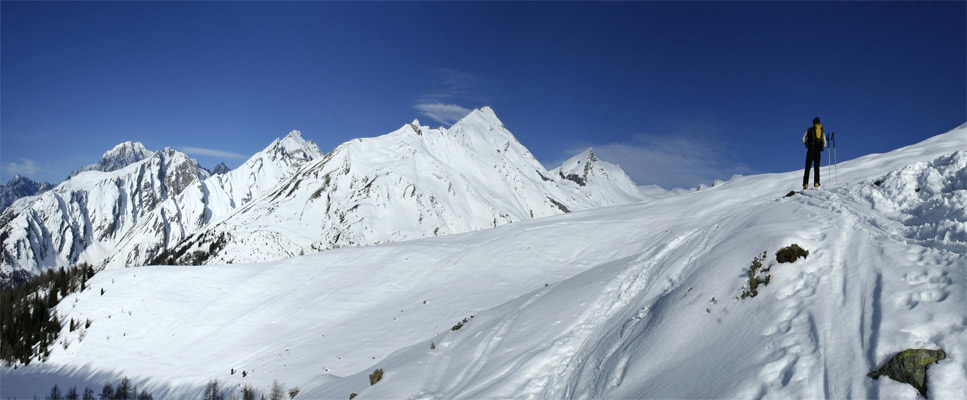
(815, 142)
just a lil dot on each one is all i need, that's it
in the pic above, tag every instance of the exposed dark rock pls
(910, 366)
(558, 204)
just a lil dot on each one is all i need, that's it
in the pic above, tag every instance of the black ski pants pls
(814, 157)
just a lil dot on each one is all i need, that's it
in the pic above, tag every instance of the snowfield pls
(631, 301)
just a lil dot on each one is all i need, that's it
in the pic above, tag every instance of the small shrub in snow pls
(293, 392)
(352, 396)
(791, 253)
(376, 376)
(460, 324)
(757, 275)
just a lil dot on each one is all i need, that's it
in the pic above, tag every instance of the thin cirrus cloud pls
(212, 152)
(446, 114)
(25, 167)
(448, 88)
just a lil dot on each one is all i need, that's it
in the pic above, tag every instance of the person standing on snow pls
(815, 142)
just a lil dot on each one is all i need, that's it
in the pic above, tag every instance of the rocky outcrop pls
(910, 366)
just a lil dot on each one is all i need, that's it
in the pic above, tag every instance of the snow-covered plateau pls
(637, 300)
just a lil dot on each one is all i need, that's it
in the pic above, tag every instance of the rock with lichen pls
(910, 366)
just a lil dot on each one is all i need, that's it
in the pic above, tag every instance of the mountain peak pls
(293, 143)
(221, 168)
(20, 186)
(292, 147)
(118, 157)
(483, 115)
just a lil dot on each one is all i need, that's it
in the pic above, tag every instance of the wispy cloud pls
(448, 89)
(446, 114)
(212, 152)
(669, 161)
(25, 167)
(450, 84)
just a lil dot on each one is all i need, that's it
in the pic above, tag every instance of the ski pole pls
(828, 160)
(835, 162)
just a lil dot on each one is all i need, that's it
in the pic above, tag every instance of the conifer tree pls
(55, 393)
(107, 392)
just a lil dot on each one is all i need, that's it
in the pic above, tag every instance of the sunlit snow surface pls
(615, 302)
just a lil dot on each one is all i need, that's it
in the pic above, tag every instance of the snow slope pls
(630, 301)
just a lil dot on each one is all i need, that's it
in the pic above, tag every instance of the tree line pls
(28, 324)
(126, 390)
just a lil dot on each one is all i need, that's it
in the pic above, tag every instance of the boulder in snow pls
(910, 366)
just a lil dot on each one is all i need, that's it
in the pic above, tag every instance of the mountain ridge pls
(290, 198)
(410, 183)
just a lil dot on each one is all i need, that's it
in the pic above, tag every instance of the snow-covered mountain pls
(128, 216)
(120, 156)
(214, 199)
(19, 187)
(412, 183)
(595, 176)
(639, 300)
(83, 218)
(219, 169)
(290, 199)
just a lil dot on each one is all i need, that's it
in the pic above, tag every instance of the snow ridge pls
(411, 183)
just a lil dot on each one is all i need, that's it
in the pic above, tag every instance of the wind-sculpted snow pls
(633, 301)
(928, 198)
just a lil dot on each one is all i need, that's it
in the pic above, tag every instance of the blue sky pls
(677, 93)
